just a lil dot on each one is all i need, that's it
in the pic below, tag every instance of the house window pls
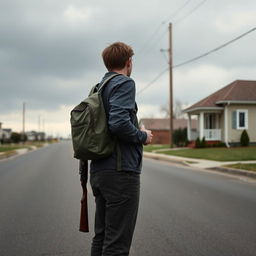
(242, 119)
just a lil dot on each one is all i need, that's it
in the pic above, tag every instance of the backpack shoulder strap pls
(93, 90)
(106, 81)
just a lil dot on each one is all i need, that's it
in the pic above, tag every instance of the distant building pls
(5, 134)
(160, 127)
(41, 136)
(35, 136)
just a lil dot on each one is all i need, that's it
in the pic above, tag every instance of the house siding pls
(235, 134)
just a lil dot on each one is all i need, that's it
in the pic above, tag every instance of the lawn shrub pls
(200, 143)
(218, 145)
(244, 139)
(203, 143)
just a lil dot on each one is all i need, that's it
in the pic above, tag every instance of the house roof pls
(164, 123)
(238, 91)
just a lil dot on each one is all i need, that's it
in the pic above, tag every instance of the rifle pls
(84, 223)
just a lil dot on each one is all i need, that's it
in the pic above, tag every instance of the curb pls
(241, 172)
(165, 158)
(4, 156)
(222, 169)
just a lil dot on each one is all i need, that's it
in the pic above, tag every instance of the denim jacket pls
(121, 111)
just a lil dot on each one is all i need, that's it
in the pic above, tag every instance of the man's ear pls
(129, 63)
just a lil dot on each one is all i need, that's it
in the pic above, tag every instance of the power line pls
(174, 14)
(178, 10)
(193, 10)
(196, 58)
(157, 40)
(155, 79)
(215, 49)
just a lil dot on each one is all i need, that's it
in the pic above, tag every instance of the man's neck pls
(121, 71)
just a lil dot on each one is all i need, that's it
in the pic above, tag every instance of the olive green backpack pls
(90, 134)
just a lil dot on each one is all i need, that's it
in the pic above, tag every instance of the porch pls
(209, 126)
(209, 134)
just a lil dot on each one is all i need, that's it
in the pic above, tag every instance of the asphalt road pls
(182, 212)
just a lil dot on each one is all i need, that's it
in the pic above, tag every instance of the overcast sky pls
(50, 52)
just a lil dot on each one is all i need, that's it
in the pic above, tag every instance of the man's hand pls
(149, 135)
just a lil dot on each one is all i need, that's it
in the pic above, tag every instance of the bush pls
(15, 137)
(203, 143)
(218, 145)
(244, 139)
(198, 143)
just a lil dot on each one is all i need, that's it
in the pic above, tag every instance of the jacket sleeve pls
(122, 104)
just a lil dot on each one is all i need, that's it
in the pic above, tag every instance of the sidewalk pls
(203, 164)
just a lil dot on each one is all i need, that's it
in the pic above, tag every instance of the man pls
(116, 191)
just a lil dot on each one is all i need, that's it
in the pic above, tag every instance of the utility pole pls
(39, 123)
(43, 125)
(171, 79)
(23, 120)
(43, 130)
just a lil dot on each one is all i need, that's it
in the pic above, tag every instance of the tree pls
(16, 137)
(177, 109)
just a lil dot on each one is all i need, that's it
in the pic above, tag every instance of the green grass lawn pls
(36, 144)
(249, 167)
(150, 148)
(5, 148)
(11, 147)
(218, 154)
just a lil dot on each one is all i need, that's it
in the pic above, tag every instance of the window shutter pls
(234, 120)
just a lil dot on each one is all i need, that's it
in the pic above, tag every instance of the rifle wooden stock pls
(84, 224)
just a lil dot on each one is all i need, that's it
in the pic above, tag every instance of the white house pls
(5, 134)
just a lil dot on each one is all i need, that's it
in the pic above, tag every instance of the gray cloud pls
(50, 50)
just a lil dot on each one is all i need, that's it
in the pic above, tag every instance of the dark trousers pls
(117, 200)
